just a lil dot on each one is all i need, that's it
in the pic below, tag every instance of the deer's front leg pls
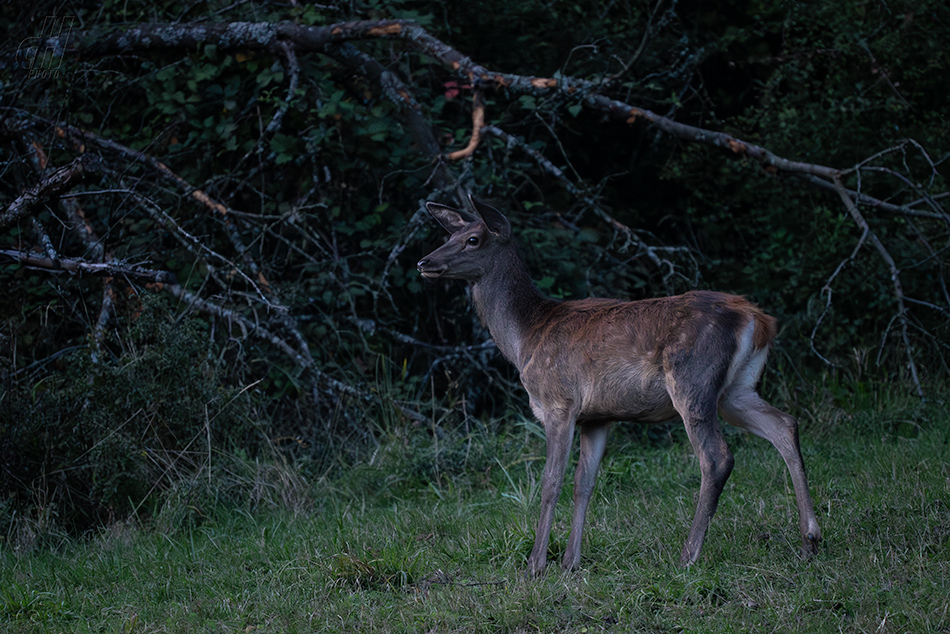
(559, 431)
(593, 442)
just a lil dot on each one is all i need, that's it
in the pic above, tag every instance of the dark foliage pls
(282, 190)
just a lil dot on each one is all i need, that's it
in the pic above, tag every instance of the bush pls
(93, 443)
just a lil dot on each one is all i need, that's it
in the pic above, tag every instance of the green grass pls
(380, 551)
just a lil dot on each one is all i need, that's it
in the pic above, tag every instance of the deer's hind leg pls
(742, 407)
(715, 464)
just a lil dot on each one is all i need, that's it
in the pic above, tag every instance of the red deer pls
(590, 362)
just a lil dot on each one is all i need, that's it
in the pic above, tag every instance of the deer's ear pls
(452, 220)
(494, 219)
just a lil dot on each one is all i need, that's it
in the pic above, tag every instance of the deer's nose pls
(430, 270)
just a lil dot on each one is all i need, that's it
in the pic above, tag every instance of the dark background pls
(113, 385)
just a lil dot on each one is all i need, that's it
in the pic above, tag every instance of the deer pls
(588, 363)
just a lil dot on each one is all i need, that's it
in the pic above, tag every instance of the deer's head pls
(476, 238)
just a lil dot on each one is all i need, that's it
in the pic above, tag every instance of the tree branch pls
(324, 39)
(901, 315)
(588, 201)
(187, 189)
(243, 35)
(100, 269)
(399, 94)
(478, 122)
(336, 41)
(304, 361)
(54, 184)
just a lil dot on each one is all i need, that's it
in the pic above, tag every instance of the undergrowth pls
(432, 530)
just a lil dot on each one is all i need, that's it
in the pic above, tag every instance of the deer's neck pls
(508, 304)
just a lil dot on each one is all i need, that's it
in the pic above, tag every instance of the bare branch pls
(82, 228)
(478, 122)
(50, 186)
(630, 236)
(901, 315)
(827, 291)
(293, 69)
(332, 40)
(43, 239)
(874, 203)
(75, 266)
(336, 41)
(301, 357)
(219, 209)
(399, 94)
(105, 311)
(647, 31)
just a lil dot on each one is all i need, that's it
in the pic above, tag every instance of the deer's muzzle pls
(428, 270)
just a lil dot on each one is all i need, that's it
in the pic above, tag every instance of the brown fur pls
(586, 363)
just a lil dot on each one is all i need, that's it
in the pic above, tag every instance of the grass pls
(381, 551)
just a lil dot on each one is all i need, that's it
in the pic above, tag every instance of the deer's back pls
(604, 356)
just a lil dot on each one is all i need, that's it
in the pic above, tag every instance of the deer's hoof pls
(810, 545)
(536, 568)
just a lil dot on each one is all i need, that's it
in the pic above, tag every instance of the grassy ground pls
(379, 552)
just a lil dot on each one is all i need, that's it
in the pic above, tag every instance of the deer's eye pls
(472, 242)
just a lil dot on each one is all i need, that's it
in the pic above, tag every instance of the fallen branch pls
(303, 359)
(50, 186)
(273, 37)
(187, 189)
(588, 201)
(337, 40)
(478, 122)
(100, 269)
(901, 315)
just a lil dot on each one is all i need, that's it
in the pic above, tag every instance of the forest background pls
(210, 214)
